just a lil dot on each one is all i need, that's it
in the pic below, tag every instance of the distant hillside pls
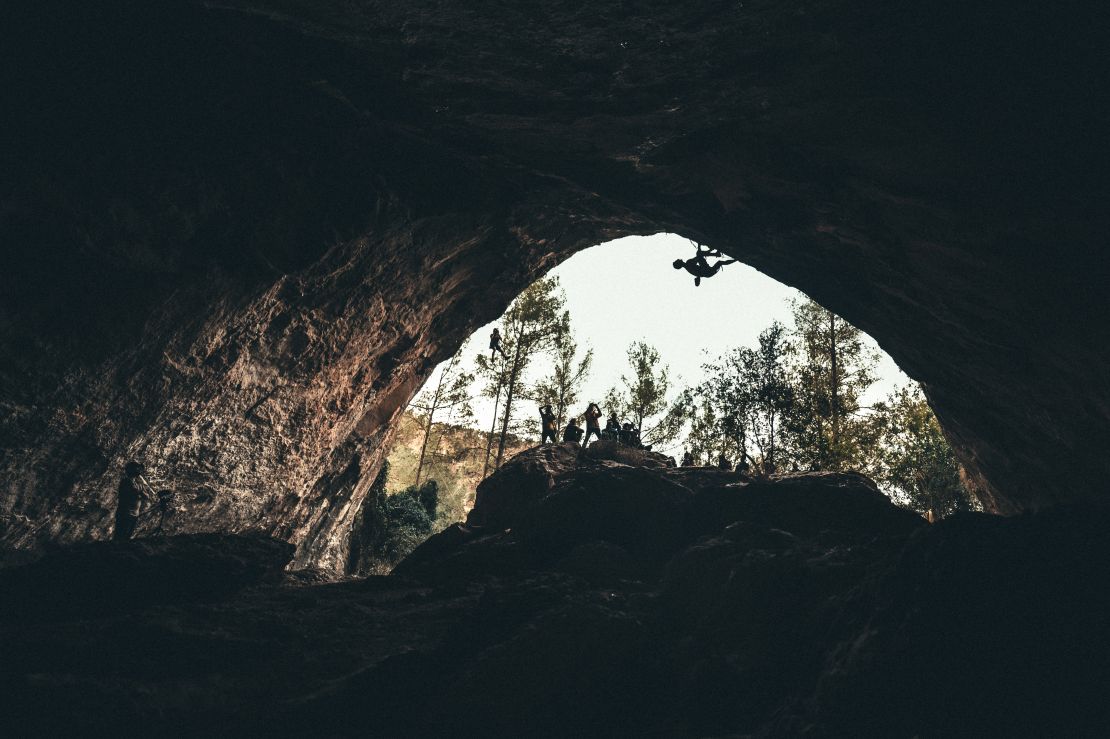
(454, 460)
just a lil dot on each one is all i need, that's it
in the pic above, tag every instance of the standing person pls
(548, 429)
(132, 490)
(573, 432)
(495, 344)
(593, 422)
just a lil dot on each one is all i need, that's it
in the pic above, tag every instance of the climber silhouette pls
(133, 489)
(495, 344)
(699, 267)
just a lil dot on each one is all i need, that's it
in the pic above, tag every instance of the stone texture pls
(109, 576)
(611, 621)
(522, 481)
(237, 236)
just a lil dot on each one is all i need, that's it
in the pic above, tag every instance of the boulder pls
(986, 626)
(614, 451)
(806, 504)
(520, 482)
(632, 507)
(107, 577)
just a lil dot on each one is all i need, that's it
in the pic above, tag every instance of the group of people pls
(724, 463)
(614, 430)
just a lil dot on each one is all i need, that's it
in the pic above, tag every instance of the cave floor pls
(228, 661)
(622, 601)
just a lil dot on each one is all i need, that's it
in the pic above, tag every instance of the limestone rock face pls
(237, 236)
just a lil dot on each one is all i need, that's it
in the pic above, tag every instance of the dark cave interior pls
(238, 236)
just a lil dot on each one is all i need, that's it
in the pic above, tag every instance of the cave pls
(239, 236)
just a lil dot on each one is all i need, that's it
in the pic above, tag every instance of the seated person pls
(612, 427)
(573, 432)
(624, 436)
(687, 459)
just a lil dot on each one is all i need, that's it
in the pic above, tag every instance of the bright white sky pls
(627, 290)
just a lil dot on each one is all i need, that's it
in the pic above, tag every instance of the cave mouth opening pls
(622, 303)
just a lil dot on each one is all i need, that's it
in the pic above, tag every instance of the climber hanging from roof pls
(495, 344)
(698, 266)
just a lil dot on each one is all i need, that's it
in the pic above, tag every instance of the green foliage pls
(451, 397)
(427, 495)
(832, 368)
(560, 388)
(916, 462)
(642, 397)
(786, 405)
(388, 527)
(745, 400)
(705, 441)
(530, 326)
(454, 461)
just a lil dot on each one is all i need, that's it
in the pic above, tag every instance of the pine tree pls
(916, 462)
(451, 395)
(748, 393)
(833, 368)
(529, 327)
(642, 396)
(560, 388)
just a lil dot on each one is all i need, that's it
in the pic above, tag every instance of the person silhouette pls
(699, 266)
(548, 426)
(573, 432)
(133, 489)
(495, 344)
(612, 428)
(593, 422)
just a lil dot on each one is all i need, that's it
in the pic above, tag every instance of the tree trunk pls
(492, 427)
(428, 427)
(508, 404)
(834, 383)
(771, 440)
(423, 448)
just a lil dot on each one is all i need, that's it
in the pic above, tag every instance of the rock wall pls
(237, 236)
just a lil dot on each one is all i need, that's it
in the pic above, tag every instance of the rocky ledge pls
(595, 596)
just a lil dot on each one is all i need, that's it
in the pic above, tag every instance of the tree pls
(747, 394)
(772, 394)
(388, 527)
(834, 367)
(704, 440)
(451, 395)
(916, 462)
(643, 396)
(560, 388)
(529, 327)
